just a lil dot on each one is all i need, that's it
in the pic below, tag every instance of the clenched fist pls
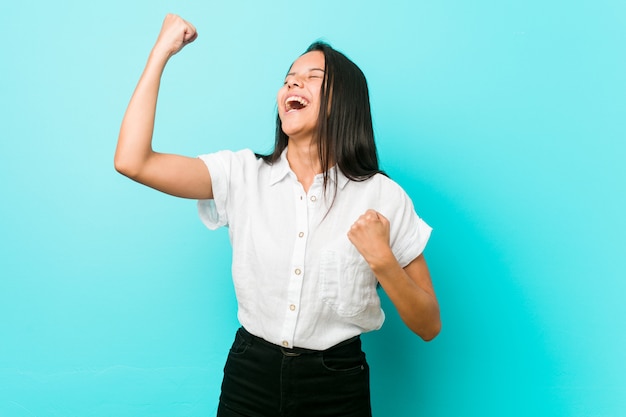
(175, 33)
(370, 235)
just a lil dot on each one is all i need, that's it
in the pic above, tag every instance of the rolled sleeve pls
(416, 243)
(213, 212)
(412, 233)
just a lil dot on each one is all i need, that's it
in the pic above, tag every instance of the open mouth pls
(295, 103)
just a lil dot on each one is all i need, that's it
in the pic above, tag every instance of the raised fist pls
(175, 34)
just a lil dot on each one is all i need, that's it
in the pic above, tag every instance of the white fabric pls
(299, 280)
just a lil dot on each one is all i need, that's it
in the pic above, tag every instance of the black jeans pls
(265, 380)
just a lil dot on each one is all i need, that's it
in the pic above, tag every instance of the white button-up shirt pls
(299, 280)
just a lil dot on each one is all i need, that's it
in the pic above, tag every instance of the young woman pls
(315, 228)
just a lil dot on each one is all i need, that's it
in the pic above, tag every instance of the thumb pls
(190, 34)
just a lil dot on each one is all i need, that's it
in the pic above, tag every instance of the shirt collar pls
(280, 169)
(342, 180)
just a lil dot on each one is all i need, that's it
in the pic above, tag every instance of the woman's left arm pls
(409, 288)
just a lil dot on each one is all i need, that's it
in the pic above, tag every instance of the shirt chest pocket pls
(347, 285)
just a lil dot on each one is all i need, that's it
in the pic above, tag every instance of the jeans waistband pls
(295, 351)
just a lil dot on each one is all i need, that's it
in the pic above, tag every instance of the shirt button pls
(292, 307)
(297, 271)
(285, 343)
(301, 234)
(313, 198)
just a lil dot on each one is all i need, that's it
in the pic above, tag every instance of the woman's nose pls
(294, 82)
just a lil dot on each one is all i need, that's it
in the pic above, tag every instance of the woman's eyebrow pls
(309, 70)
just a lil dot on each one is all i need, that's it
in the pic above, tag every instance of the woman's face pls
(299, 98)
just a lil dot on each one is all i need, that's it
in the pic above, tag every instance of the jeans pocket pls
(340, 362)
(240, 345)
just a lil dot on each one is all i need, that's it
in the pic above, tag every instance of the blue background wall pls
(504, 120)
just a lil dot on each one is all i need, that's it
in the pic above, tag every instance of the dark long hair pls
(345, 135)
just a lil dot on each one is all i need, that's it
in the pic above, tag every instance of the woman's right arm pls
(172, 174)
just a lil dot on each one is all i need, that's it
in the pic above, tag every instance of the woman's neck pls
(304, 161)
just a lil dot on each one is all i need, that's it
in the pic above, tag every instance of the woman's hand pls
(409, 288)
(175, 33)
(370, 235)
